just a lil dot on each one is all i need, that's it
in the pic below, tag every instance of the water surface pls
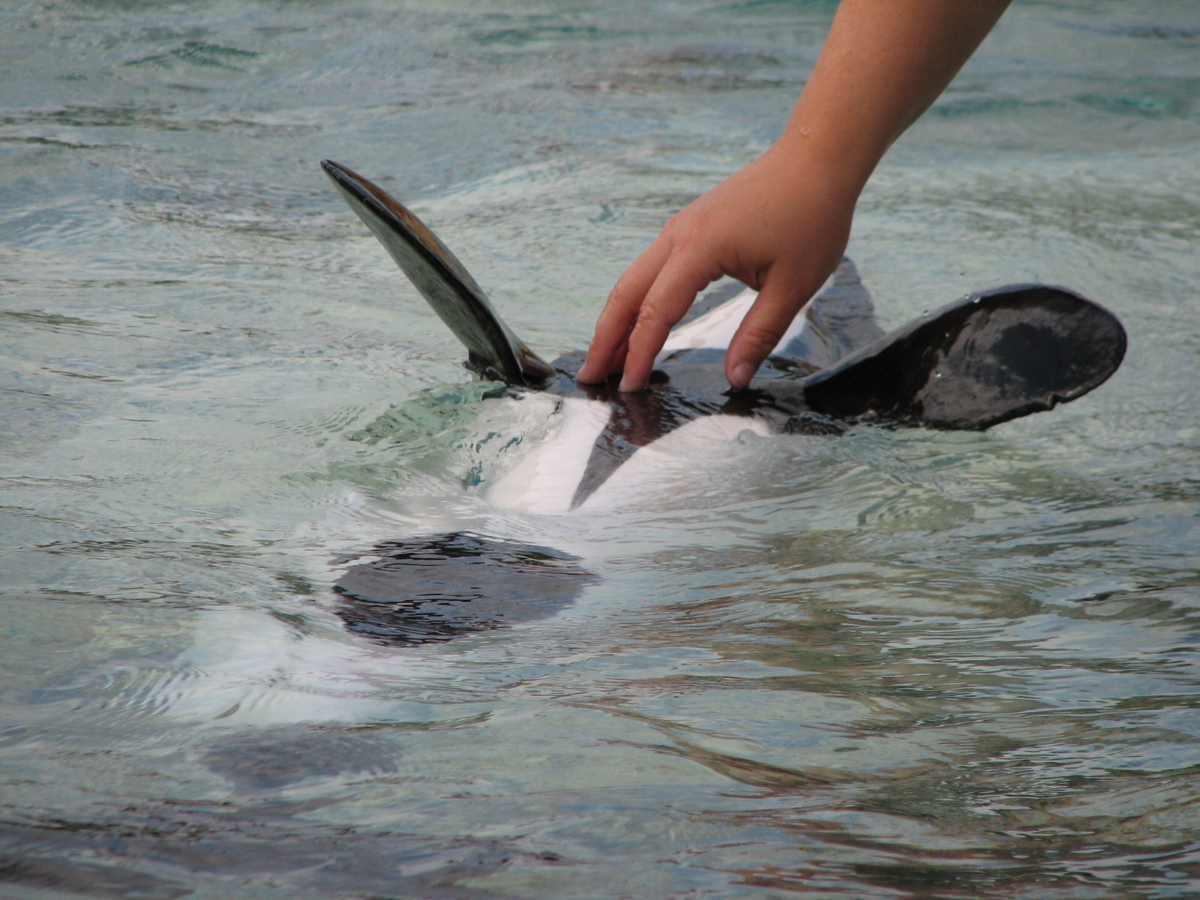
(885, 665)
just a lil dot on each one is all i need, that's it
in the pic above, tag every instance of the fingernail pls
(628, 386)
(742, 373)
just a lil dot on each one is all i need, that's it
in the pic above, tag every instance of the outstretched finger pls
(606, 353)
(675, 289)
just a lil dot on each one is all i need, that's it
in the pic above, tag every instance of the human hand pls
(780, 226)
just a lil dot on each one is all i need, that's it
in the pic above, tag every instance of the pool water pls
(888, 664)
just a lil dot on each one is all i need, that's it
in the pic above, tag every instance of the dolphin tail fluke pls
(982, 360)
(493, 349)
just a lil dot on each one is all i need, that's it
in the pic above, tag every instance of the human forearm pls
(883, 64)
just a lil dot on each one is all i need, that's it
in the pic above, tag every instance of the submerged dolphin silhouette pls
(981, 360)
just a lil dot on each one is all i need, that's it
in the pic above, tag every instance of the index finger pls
(621, 312)
(674, 290)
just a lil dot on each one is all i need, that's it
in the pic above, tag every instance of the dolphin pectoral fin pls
(425, 590)
(493, 349)
(979, 361)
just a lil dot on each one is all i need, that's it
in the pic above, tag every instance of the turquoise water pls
(885, 665)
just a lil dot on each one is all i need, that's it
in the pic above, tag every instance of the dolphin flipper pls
(425, 590)
(493, 349)
(982, 360)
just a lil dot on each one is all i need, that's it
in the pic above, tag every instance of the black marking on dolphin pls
(981, 360)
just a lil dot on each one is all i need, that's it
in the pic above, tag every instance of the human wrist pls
(837, 161)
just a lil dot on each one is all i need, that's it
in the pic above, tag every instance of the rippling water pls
(884, 665)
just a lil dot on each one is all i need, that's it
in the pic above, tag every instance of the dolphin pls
(986, 358)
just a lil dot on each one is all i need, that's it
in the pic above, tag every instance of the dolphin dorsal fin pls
(493, 349)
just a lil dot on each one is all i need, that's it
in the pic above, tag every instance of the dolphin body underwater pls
(984, 359)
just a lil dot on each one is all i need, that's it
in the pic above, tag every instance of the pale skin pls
(781, 224)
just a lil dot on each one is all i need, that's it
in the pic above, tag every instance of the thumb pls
(763, 326)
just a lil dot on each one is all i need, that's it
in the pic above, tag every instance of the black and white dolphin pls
(984, 359)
